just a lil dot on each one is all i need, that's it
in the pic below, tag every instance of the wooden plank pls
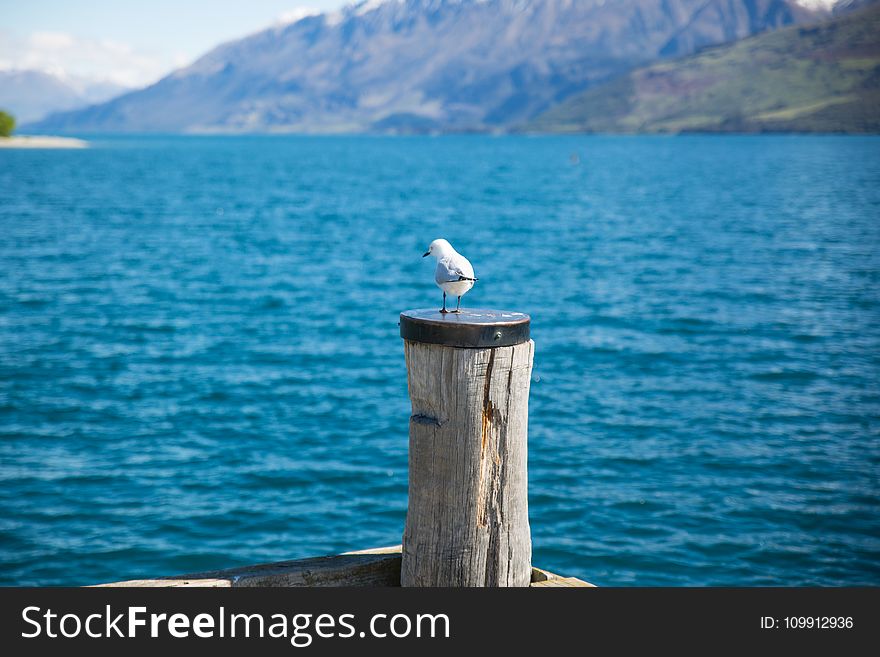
(562, 582)
(170, 581)
(540, 575)
(373, 567)
(391, 549)
(467, 523)
(379, 567)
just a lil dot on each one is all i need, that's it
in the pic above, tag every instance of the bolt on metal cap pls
(475, 328)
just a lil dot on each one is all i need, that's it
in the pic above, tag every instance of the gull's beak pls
(427, 253)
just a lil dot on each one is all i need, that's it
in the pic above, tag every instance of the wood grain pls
(324, 571)
(467, 522)
(378, 567)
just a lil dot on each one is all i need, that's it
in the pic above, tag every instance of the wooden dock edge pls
(374, 567)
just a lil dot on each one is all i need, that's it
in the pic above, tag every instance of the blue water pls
(200, 365)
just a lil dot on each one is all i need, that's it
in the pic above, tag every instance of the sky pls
(130, 42)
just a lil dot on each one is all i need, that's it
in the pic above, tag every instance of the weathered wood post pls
(468, 520)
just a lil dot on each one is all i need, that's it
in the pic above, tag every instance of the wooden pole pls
(467, 523)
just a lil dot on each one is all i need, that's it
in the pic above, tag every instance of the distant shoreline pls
(41, 141)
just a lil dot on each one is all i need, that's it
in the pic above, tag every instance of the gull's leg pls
(443, 309)
(458, 306)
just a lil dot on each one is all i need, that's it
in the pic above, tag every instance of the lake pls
(200, 364)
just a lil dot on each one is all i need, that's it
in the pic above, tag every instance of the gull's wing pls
(450, 270)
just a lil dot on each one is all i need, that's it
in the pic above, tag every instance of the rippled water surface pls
(200, 365)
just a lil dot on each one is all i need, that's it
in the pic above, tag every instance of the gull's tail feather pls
(465, 278)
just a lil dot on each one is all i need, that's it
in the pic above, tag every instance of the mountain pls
(31, 95)
(421, 65)
(824, 78)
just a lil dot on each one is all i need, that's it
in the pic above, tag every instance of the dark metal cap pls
(474, 328)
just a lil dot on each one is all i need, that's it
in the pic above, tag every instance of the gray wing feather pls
(449, 271)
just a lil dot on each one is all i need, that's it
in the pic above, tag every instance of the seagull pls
(454, 274)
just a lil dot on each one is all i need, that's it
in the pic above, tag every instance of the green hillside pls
(824, 78)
